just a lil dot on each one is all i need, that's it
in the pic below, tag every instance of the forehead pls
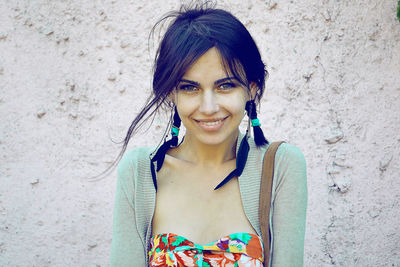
(208, 67)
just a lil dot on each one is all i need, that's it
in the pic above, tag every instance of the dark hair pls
(193, 31)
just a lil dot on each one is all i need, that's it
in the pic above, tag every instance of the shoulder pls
(290, 154)
(131, 159)
(286, 152)
(128, 168)
(290, 168)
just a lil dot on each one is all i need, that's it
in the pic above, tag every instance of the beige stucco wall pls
(73, 74)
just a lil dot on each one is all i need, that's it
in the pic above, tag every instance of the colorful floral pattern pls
(239, 249)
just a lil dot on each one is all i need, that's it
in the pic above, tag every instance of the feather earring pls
(241, 160)
(255, 123)
(162, 150)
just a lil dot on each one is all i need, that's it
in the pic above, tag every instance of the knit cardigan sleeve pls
(127, 248)
(290, 205)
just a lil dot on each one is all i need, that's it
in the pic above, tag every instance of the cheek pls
(236, 105)
(186, 105)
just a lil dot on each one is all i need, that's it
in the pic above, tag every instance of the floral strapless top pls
(239, 249)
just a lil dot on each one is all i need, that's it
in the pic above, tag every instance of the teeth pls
(211, 123)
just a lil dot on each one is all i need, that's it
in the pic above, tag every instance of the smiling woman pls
(173, 206)
(210, 104)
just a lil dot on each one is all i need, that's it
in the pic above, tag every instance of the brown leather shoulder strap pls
(265, 196)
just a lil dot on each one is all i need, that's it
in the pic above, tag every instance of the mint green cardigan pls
(135, 204)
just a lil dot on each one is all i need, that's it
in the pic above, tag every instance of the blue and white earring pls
(255, 123)
(162, 150)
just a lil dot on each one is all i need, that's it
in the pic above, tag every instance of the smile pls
(211, 125)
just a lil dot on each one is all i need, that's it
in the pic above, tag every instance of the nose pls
(209, 104)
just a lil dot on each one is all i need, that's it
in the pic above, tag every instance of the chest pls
(188, 205)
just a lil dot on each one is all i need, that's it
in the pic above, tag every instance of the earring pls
(162, 150)
(176, 124)
(241, 160)
(255, 123)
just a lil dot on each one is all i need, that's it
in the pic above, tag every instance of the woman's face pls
(209, 101)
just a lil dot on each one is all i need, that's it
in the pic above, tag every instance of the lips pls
(211, 124)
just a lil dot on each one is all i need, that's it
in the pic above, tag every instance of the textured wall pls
(74, 73)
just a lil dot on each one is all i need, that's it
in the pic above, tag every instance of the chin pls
(215, 139)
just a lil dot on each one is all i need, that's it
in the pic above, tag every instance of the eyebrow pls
(215, 83)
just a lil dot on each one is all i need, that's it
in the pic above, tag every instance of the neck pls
(195, 151)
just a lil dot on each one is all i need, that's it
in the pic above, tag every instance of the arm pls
(290, 205)
(127, 247)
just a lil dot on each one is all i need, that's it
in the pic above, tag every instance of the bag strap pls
(265, 196)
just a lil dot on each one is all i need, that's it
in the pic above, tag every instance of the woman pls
(173, 206)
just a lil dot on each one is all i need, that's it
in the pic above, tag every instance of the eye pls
(227, 86)
(187, 88)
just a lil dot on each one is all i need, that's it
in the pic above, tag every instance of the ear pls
(253, 90)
